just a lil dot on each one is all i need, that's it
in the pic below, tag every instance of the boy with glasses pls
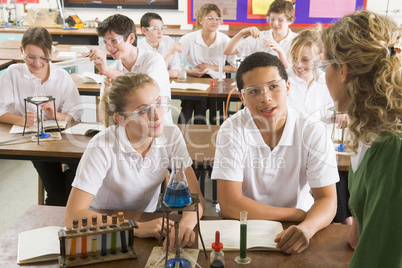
(269, 156)
(119, 38)
(276, 41)
(152, 28)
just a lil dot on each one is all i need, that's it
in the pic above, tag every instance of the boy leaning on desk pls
(269, 156)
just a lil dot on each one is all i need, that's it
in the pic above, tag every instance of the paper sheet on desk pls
(195, 86)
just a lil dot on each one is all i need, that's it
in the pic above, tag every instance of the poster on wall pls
(253, 12)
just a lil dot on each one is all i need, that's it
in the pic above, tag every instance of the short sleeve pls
(92, 168)
(228, 163)
(6, 93)
(321, 169)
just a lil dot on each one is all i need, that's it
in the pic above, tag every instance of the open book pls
(91, 78)
(48, 124)
(85, 129)
(195, 86)
(38, 245)
(260, 234)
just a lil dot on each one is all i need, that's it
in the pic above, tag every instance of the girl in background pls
(19, 82)
(308, 92)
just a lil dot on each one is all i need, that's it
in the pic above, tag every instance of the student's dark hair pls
(119, 24)
(39, 37)
(256, 60)
(147, 17)
(282, 6)
(116, 96)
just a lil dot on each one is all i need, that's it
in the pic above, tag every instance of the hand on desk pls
(152, 228)
(294, 239)
(197, 72)
(48, 108)
(186, 237)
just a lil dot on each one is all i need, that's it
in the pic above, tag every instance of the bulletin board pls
(252, 12)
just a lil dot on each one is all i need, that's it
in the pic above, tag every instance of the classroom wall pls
(179, 17)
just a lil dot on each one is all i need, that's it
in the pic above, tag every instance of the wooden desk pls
(328, 248)
(200, 141)
(10, 50)
(5, 63)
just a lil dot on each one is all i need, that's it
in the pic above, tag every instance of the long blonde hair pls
(368, 44)
(204, 10)
(308, 38)
(116, 96)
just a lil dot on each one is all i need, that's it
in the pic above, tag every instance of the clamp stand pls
(37, 103)
(166, 210)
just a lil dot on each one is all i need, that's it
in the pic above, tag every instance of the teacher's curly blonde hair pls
(370, 46)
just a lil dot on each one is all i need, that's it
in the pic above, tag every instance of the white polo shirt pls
(315, 100)
(153, 64)
(117, 175)
(163, 48)
(282, 177)
(250, 45)
(18, 83)
(197, 52)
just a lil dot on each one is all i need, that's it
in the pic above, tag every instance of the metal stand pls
(37, 103)
(166, 210)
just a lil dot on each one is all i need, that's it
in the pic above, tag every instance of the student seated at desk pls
(269, 156)
(119, 38)
(202, 50)
(19, 82)
(363, 60)
(308, 91)
(276, 41)
(124, 166)
(152, 28)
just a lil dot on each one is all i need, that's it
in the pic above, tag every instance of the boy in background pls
(119, 38)
(152, 28)
(276, 41)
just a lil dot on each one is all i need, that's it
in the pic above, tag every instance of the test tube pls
(94, 241)
(243, 259)
(122, 234)
(104, 236)
(84, 223)
(114, 238)
(73, 241)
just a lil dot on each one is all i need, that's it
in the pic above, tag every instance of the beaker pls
(177, 192)
(182, 76)
(39, 94)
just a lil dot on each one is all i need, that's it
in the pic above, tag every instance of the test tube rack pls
(65, 261)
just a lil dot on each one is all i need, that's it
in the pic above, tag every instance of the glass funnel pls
(177, 192)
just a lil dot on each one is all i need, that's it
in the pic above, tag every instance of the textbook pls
(260, 234)
(38, 245)
(47, 124)
(195, 86)
(84, 129)
(91, 78)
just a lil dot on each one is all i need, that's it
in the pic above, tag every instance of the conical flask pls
(39, 94)
(177, 192)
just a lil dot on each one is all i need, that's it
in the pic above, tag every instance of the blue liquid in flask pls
(177, 195)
